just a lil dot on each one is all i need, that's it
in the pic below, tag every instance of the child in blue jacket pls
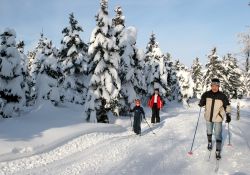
(138, 114)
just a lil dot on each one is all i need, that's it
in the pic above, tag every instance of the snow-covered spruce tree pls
(197, 77)
(246, 83)
(44, 72)
(244, 39)
(139, 75)
(172, 79)
(30, 80)
(104, 63)
(24, 64)
(214, 69)
(35, 64)
(74, 63)
(233, 87)
(155, 69)
(130, 76)
(12, 94)
(24, 60)
(185, 82)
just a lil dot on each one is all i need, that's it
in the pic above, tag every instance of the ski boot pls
(217, 155)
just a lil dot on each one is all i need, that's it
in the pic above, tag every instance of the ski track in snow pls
(126, 153)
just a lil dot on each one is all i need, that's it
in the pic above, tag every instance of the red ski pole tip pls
(190, 153)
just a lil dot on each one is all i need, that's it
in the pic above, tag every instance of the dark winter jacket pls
(216, 105)
(138, 112)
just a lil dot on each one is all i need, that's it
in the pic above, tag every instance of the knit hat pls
(215, 81)
(137, 102)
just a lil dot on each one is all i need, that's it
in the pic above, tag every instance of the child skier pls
(138, 114)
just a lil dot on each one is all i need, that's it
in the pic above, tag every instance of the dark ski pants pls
(155, 114)
(217, 127)
(137, 124)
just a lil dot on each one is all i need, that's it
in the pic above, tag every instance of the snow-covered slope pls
(53, 140)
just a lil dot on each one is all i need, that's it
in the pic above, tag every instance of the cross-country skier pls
(216, 106)
(155, 103)
(138, 114)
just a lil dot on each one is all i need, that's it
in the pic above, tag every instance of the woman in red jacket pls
(155, 103)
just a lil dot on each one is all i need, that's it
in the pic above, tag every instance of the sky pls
(184, 28)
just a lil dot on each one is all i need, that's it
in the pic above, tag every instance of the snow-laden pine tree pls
(233, 87)
(24, 64)
(185, 82)
(246, 83)
(197, 77)
(172, 79)
(139, 75)
(129, 72)
(43, 73)
(214, 69)
(24, 60)
(156, 69)
(73, 63)
(35, 64)
(12, 92)
(104, 83)
(244, 39)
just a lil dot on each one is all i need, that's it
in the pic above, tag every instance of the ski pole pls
(191, 150)
(229, 135)
(149, 127)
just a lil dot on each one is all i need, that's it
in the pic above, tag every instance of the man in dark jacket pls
(138, 114)
(216, 106)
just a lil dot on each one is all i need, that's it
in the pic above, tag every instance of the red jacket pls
(159, 102)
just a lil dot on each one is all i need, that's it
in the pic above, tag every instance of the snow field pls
(114, 149)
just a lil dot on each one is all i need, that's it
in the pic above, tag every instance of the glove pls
(199, 105)
(228, 120)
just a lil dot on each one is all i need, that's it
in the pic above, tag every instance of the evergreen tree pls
(214, 69)
(129, 72)
(12, 93)
(20, 46)
(185, 82)
(74, 63)
(43, 73)
(24, 64)
(139, 75)
(246, 83)
(244, 39)
(233, 87)
(156, 69)
(172, 79)
(104, 82)
(197, 78)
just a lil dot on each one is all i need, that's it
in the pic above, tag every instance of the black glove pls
(199, 105)
(228, 120)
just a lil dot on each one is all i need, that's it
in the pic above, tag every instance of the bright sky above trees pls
(185, 28)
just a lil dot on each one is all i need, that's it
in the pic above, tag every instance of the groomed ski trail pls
(126, 153)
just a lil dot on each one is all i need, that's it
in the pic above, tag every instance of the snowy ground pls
(52, 140)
